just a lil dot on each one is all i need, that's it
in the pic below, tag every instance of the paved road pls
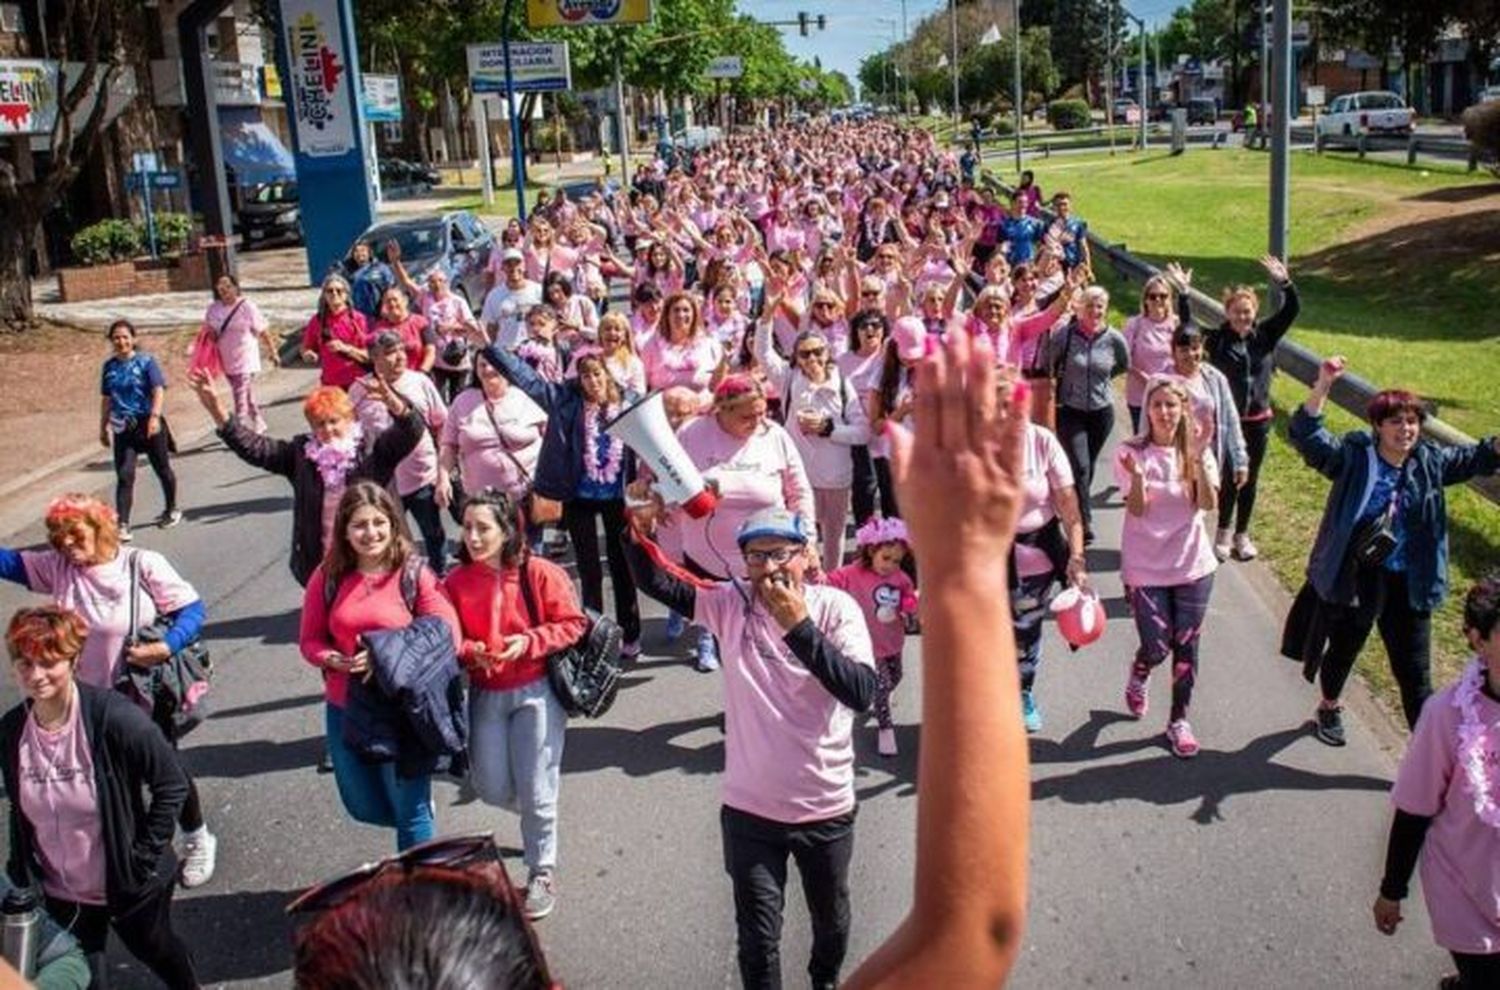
(1252, 866)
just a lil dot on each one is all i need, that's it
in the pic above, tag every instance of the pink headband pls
(877, 531)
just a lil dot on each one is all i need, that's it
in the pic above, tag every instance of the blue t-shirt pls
(1387, 483)
(1022, 233)
(1073, 252)
(128, 384)
(367, 285)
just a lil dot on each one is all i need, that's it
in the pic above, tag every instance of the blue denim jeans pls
(375, 794)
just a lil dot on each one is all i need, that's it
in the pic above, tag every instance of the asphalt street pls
(1252, 866)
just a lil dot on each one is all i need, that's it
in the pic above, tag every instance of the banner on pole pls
(322, 111)
(586, 13)
(536, 67)
(28, 96)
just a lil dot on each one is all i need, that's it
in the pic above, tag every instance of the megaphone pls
(643, 428)
(1080, 616)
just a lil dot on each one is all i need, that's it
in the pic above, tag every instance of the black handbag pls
(174, 691)
(585, 676)
(1374, 540)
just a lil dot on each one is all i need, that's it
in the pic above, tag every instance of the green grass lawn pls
(1411, 301)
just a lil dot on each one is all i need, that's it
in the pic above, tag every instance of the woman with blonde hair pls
(1148, 335)
(682, 352)
(1170, 478)
(617, 348)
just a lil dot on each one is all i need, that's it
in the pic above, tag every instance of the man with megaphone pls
(797, 667)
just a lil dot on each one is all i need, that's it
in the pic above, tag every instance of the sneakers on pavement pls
(169, 519)
(1331, 726)
(1135, 696)
(885, 742)
(541, 895)
(708, 653)
(676, 626)
(1031, 715)
(630, 650)
(200, 852)
(1223, 544)
(125, 534)
(1243, 548)
(1180, 737)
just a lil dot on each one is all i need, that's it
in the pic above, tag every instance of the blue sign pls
(166, 180)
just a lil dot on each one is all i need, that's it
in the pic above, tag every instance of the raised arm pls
(1275, 327)
(546, 394)
(1320, 449)
(770, 359)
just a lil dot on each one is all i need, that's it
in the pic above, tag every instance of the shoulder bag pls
(175, 690)
(585, 676)
(540, 510)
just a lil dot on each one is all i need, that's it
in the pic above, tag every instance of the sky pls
(855, 30)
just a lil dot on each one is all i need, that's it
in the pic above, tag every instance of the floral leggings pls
(887, 676)
(1169, 622)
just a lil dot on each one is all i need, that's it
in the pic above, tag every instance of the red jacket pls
(490, 607)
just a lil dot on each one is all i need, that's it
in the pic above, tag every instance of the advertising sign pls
(322, 111)
(1316, 96)
(725, 67)
(586, 13)
(28, 96)
(536, 67)
(381, 99)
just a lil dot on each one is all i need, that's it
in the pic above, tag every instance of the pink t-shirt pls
(420, 467)
(759, 472)
(541, 261)
(1461, 856)
(1150, 346)
(691, 364)
(1047, 470)
(100, 594)
(883, 600)
(1168, 544)
(239, 338)
(59, 799)
(482, 452)
(789, 751)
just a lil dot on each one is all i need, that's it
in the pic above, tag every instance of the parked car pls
(457, 242)
(694, 138)
(268, 214)
(1202, 110)
(1124, 111)
(397, 173)
(1373, 112)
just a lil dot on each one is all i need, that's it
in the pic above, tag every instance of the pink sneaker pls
(1135, 696)
(1180, 737)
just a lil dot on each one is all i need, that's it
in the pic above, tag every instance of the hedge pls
(1068, 115)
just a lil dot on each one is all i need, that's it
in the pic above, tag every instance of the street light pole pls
(1015, 82)
(905, 63)
(1265, 72)
(953, 24)
(1281, 131)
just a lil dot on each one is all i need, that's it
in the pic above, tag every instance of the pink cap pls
(910, 335)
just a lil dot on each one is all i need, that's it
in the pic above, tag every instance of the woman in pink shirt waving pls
(683, 352)
(1170, 478)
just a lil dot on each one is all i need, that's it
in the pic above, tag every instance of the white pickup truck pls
(1374, 112)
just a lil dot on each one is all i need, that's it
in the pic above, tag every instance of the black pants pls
(1407, 633)
(1236, 509)
(1083, 434)
(422, 504)
(145, 928)
(129, 444)
(1477, 972)
(755, 853)
(449, 383)
(873, 488)
(578, 516)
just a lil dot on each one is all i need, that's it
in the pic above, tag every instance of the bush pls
(172, 232)
(1068, 115)
(105, 242)
(545, 140)
(1482, 130)
(1002, 125)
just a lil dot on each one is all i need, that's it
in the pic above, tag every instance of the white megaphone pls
(643, 428)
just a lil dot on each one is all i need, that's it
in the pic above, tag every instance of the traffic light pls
(802, 22)
(822, 22)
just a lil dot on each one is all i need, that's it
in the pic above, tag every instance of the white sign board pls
(1316, 96)
(28, 96)
(322, 103)
(381, 98)
(725, 67)
(535, 66)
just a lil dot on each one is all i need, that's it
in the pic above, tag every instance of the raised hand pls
(203, 387)
(1181, 278)
(1276, 269)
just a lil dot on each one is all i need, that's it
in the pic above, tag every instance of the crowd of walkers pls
(845, 328)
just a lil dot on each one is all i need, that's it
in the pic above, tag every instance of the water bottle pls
(20, 930)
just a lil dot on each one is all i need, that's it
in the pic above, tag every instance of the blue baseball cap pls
(778, 523)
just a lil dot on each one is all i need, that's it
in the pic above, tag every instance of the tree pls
(987, 74)
(104, 37)
(1080, 29)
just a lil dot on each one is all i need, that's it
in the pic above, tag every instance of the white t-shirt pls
(505, 309)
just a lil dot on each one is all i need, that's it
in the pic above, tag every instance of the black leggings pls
(1083, 433)
(449, 383)
(1477, 972)
(1237, 508)
(128, 446)
(873, 489)
(145, 928)
(1407, 633)
(578, 516)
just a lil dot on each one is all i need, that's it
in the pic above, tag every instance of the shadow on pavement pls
(645, 752)
(280, 629)
(252, 757)
(220, 511)
(1211, 778)
(215, 926)
(266, 707)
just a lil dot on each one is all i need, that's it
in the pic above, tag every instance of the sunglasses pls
(334, 292)
(810, 352)
(868, 293)
(780, 555)
(824, 304)
(1160, 296)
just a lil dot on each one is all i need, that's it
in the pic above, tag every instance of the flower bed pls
(141, 277)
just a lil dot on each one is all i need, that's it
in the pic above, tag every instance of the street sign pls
(144, 161)
(380, 98)
(1316, 96)
(725, 67)
(536, 67)
(586, 13)
(166, 180)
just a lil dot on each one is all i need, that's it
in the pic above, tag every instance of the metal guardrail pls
(1127, 135)
(1413, 144)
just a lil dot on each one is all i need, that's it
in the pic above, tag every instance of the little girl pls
(1448, 808)
(885, 594)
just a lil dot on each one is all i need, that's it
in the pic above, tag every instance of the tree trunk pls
(16, 242)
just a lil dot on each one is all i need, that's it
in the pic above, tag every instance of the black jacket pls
(130, 755)
(411, 710)
(1249, 361)
(289, 459)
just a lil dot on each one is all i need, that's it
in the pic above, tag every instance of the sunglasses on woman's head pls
(456, 853)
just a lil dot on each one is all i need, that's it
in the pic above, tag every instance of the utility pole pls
(622, 130)
(1265, 72)
(1281, 132)
(905, 63)
(1109, 75)
(1016, 96)
(953, 24)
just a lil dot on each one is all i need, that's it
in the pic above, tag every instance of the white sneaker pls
(1222, 540)
(1243, 548)
(199, 854)
(885, 742)
(125, 534)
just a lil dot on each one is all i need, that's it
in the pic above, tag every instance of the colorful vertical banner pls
(323, 112)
